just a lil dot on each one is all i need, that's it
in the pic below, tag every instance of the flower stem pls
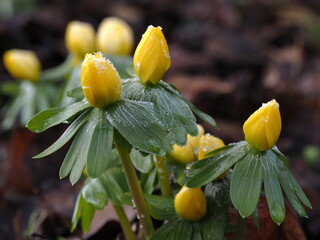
(161, 165)
(124, 222)
(240, 227)
(134, 186)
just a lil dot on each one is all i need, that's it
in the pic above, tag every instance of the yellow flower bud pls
(263, 127)
(152, 58)
(190, 203)
(79, 38)
(194, 140)
(114, 36)
(100, 81)
(188, 153)
(207, 144)
(22, 64)
(182, 155)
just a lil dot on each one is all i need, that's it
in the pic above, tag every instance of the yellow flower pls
(100, 81)
(79, 38)
(188, 153)
(114, 36)
(207, 144)
(22, 64)
(263, 127)
(194, 140)
(152, 58)
(190, 203)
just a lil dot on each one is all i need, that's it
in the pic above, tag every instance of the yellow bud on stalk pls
(100, 81)
(262, 129)
(207, 144)
(114, 36)
(22, 64)
(190, 203)
(152, 58)
(80, 38)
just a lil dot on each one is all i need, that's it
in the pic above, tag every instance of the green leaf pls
(76, 93)
(161, 208)
(42, 102)
(206, 170)
(218, 202)
(139, 124)
(13, 110)
(59, 72)
(10, 88)
(76, 158)
(28, 90)
(72, 83)
(121, 63)
(66, 136)
(173, 111)
(83, 210)
(290, 186)
(143, 163)
(54, 116)
(94, 192)
(175, 229)
(205, 117)
(272, 189)
(115, 184)
(246, 184)
(99, 155)
(148, 181)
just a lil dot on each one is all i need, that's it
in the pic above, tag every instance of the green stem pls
(163, 176)
(124, 222)
(134, 186)
(240, 227)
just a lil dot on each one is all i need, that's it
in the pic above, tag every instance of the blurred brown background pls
(228, 57)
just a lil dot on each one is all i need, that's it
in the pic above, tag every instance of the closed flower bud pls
(263, 127)
(190, 203)
(207, 144)
(188, 153)
(22, 64)
(100, 81)
(114, 36)
(79, 38)
(194, 140)
(152, 58)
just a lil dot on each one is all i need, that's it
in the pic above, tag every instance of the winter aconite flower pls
(114, 36)
(188, 153)
(100, 81)
(262, 128)
(190, 203)
(207, 144)
(22, 64)
(80, 38)
(152, 58)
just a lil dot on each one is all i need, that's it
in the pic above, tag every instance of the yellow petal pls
(262, 129)
(190, 203)
(152, 58)
(100, 81)
(80, 38)
(22, 64)
(207, 144)
(114, 36)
